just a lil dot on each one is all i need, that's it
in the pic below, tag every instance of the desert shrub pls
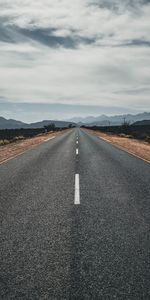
(129, 136)
(6, 142)
(18, 138)
(1, 142)
(122, 135)
(147, 139)
(50, 127)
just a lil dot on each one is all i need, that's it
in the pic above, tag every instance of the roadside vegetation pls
(139, 132)
(8, 136)
(133, 139)
(12, 149)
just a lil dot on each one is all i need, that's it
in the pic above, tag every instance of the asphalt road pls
(65, 241)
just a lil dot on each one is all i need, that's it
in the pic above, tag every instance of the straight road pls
(75, 222)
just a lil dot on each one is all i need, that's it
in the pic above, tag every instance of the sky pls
(66, 58)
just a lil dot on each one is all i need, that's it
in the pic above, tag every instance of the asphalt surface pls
(54, 249)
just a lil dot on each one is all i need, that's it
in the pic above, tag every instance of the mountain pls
(9, 124)
(13, 124)
(144, 122)
(88, 119)
(41, 124)
(104, 120)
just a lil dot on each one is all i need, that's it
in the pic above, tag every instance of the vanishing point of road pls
(75, 222)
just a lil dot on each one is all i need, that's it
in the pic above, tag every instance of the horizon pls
(31, 112)
(72, 119)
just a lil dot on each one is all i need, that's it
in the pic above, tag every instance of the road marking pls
(12, 157)
(77, 142)
(77, 190)
(23, 152)
(77, 151)
(124, 149)
(49, 139)
(121, 148)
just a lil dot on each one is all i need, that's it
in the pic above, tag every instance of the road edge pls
(123, 149)
(32, 147)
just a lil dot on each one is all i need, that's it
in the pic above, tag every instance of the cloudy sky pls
(67, 58)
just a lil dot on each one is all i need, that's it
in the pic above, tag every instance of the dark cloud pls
(6, 34)
(131, 43)
(137, 42)
(10, 32)
(145, 1)
(114, 40)
(47, 37)
(119, 5)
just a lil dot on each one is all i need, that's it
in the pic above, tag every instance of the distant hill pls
(81, 120)
(144, 122)
(41, 124)
(104, 120)
(10, 124)
(13, 124)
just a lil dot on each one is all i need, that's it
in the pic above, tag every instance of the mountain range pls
(105, 120)
(102, 120)
(13, 124)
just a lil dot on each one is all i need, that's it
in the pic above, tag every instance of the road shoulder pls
(10, 151)
(134, 147)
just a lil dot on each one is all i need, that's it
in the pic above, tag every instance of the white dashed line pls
(49, 139)
(77, 151)
(77, 190)
(77, 142)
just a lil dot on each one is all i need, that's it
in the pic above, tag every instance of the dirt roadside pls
(135, 147)
(10, 151)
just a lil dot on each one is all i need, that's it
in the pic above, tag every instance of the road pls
(62, 239)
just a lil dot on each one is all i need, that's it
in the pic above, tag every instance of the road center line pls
(77, 151)
(77, 142)
(77, 190)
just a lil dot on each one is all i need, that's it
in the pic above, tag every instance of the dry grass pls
(137, 147)
(11, 150)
